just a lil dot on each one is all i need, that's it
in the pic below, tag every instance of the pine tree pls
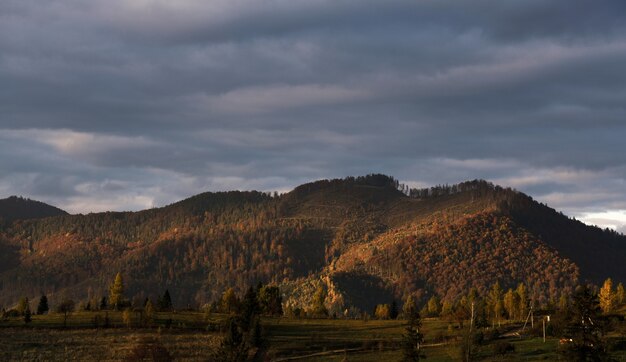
(27, 315)
(606, 296)
(250, 307)
(116, 292)
(393, 312)
(413, 338)
(165, 302)
(103, 303)
(584, 328)
(42, 307)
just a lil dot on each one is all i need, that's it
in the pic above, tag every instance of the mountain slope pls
(360, 238)
(14, 208)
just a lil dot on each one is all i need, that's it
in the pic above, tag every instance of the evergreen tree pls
(250, 307)
(393, 312)
(165, 302)
(103, 303)
(27, 315)
(116, 292)
(606, 296)
(584, 328)
(413, 338)
(42, 307)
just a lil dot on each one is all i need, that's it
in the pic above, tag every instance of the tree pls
(250, 307)
(606, 296)
(42, 307)
(27, 315)
(584, 328)
(229, 302)
(116, 292)
(620, 294)
(22, 305)
(165, 302)
(127, 317)
(103, 303)
(148, 313)
(433, 306)
(393, 312)
(563, 302)
(382, 311)
(494, 303)
(510, 303)
(413, 338)
(317, 305)
(66, 308)
(270, 300)
(522, 297)
(410, 307)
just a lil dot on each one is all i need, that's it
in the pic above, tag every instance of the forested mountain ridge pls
(14, 208)
(365, 240)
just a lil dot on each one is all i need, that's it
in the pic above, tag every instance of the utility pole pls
(544, 329)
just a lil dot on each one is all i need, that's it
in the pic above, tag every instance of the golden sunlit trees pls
(607, 298)
(620, 295)
(229, 302)
(510, 303)
(522, 297)
(383, 311)
(318, 307)
(116, 292)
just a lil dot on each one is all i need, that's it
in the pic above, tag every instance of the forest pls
(358, 248)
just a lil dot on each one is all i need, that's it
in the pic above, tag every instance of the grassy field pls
(190, 336)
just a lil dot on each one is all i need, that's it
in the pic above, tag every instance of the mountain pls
(365, 240)
(14, 208)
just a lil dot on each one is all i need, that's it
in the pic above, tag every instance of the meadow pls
(193, 336)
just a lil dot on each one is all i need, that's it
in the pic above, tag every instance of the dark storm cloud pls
(132, 104)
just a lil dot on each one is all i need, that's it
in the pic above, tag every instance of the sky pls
(133, 104)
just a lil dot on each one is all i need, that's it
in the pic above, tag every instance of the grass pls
(190, 336)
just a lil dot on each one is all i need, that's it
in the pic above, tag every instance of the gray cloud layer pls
(131, 104)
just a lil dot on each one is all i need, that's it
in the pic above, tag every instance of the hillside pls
(361, 238)
(15, 208)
